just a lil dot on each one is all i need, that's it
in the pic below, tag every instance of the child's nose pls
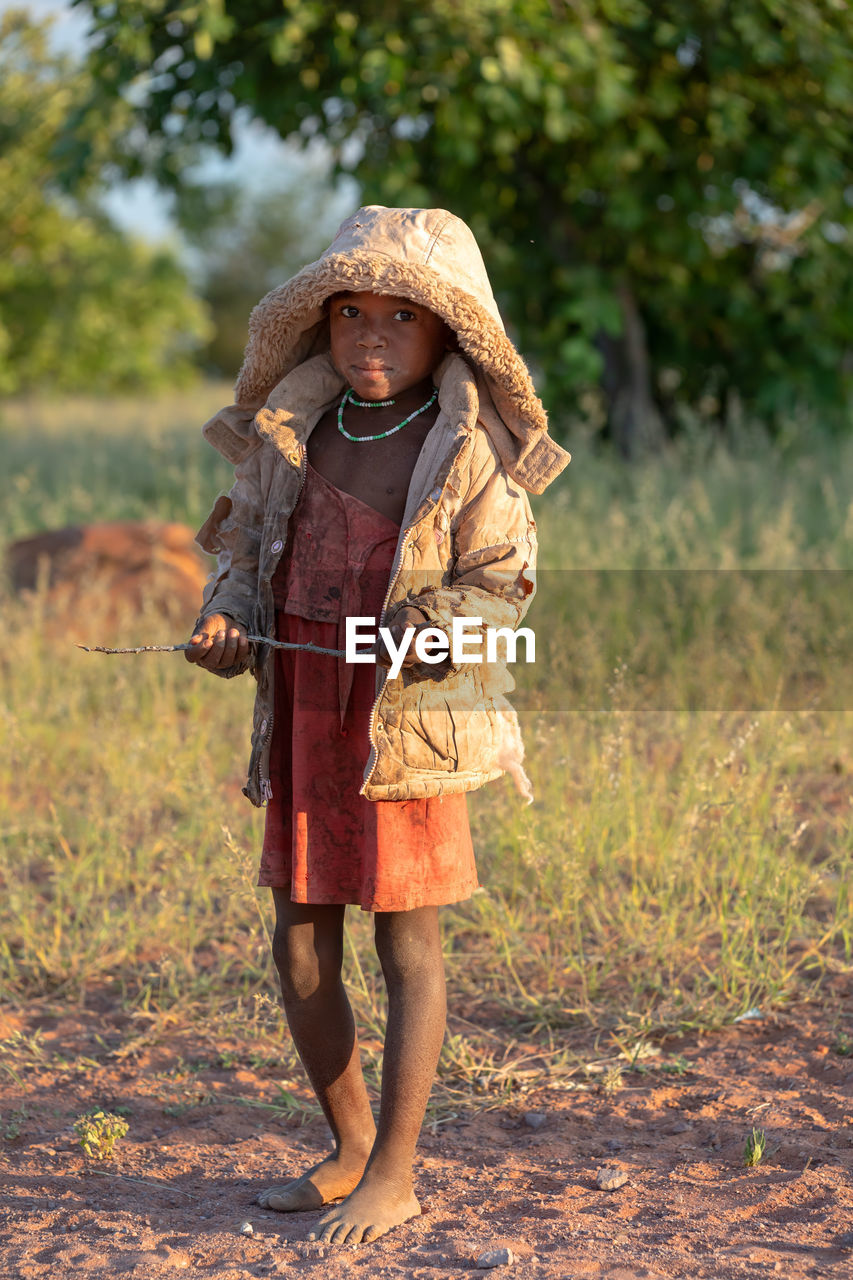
(371, 335)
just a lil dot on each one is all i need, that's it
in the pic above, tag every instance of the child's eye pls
(349, 311)
(404, 315)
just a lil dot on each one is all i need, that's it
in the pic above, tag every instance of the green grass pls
(688, 736)
(77, 460)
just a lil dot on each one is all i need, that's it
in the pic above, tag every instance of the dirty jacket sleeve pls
(233, 533)
(494, 559)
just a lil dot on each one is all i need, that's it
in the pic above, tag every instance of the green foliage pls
(754, 1148)
(843, 1045)
(693, 157)
(13, 1124)
(81, 305)
(247, 241)
(98, 1132)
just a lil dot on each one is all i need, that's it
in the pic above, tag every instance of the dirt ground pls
(181, 1184)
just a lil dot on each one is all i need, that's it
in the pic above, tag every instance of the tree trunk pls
(636, 424)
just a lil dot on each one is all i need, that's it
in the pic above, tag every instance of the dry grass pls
(689, 853)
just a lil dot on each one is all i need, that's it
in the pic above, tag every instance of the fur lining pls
(399, 252)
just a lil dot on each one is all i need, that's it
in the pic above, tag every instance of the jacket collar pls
(294, 407)
(297, 403)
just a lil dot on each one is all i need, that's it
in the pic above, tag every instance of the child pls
(384, 435)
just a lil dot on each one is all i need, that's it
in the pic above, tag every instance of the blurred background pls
(664, 197)
(664, 194)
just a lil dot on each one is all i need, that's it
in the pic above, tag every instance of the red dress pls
(323, 840)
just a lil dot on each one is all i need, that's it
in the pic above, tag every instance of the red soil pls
(178, 1187)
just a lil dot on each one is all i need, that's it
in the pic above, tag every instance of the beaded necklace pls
(369, 404)
(348, 396)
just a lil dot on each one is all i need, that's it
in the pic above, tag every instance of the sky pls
(139, 207)
(70, 25)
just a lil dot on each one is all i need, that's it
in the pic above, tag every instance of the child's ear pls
(451, 340)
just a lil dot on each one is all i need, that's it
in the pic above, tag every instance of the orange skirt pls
(323, 840)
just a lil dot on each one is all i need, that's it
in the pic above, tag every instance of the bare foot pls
(329, 1180)
(366, 1215)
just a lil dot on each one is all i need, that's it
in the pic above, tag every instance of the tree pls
(660, 188)
(247, 239)
(81, 305)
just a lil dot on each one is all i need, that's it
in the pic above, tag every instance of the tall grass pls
(77, 460)
(690, 850)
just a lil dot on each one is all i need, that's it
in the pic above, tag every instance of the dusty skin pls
(370, 1212)
(203, 1137)
(331, 1179)
(372, 1165)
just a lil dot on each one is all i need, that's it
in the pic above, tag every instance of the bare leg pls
(308, 951)
(409, 947)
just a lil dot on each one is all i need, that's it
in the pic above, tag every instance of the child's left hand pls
(405, 617)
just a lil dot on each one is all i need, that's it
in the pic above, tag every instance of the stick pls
(142, 1182)
(177, 648)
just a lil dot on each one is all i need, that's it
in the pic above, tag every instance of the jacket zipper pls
(264, 783)
(374, 755)
(303, 469)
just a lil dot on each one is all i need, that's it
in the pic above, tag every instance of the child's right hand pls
(218, 643)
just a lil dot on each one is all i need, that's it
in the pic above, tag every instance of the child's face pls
(384, 345)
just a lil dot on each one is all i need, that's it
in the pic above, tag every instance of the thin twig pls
(177, 648)
(144, 1182)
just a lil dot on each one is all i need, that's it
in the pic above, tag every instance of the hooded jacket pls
(467, 543)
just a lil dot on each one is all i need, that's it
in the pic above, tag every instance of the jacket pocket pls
(447, 726)
(428, 735)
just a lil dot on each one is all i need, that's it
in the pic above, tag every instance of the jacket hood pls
(428, 256)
